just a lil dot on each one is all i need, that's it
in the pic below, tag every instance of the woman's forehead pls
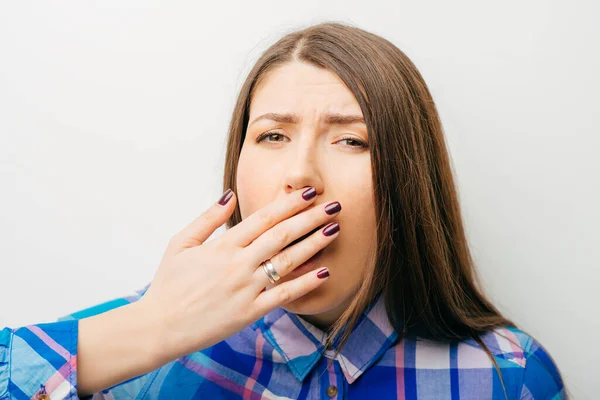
(302, 88)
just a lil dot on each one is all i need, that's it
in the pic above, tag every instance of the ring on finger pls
(267, 266)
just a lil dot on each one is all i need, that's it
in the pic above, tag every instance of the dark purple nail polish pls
(309, 193)
(324, 273)
(225, 197)
(333, 208)
(331, 229)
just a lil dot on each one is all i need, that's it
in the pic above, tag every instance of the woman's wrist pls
(116, 346)
(149, 327)
(154, 323)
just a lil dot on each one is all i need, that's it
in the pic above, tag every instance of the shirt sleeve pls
(541, 377)
(42, 358)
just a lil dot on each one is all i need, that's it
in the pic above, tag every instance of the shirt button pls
(43, 397)
(331, 391)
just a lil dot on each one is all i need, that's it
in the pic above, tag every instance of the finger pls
(289, 291)
(254, 225)
(289, 259)
(290, 232)
(204, 225)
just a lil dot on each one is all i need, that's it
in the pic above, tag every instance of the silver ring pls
(270, 271)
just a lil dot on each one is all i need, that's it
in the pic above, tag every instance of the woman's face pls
(333, 158)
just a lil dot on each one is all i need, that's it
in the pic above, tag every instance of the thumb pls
(204, 225)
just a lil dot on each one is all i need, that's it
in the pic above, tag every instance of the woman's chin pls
(313, 302)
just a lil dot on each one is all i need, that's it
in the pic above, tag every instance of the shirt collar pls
(302, 344)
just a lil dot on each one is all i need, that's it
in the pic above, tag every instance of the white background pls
(113, 119)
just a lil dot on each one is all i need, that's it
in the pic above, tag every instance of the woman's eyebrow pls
(331, 119)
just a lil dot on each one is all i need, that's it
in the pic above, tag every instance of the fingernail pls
(225, 197)
(331, 229)
(322, 274)
(333, 208)
(309, 193)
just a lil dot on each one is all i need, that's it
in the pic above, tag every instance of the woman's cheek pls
(254, 186)
(246, 189)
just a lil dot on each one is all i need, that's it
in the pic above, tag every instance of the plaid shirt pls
(281, 356)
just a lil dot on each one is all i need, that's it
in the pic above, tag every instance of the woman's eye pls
(357, 143)
(268, 135)
(273, 136)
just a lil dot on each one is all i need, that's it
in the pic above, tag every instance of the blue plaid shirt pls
(281, 357)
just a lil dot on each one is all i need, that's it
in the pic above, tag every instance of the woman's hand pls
(203, 292)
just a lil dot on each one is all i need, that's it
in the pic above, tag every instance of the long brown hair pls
(422, 261)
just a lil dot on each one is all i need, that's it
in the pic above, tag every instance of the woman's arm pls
(188, 305)
(38, 359)
(80, 354)
(541, 377)
(116, 346)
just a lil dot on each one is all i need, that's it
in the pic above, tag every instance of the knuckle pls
(280, 236)
(284, 261)
(284, 294)
(265, 217)
(209, 215)
(175, 240)
(217, 245)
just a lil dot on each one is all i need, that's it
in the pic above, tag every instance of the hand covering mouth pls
(302, 237)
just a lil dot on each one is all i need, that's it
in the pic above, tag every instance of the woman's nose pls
(302, 169)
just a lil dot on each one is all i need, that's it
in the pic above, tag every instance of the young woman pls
(344, 272)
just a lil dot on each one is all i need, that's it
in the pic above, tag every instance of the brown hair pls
(422, 261)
